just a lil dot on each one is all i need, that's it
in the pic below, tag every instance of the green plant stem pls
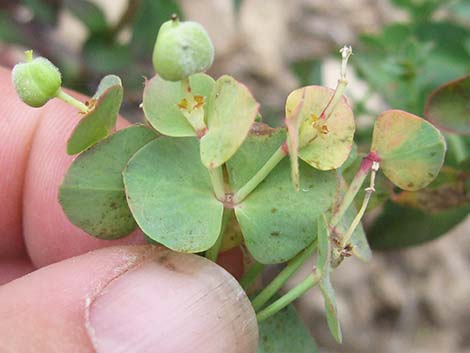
(217, 180)
(369, 191)
(251, 275)
(272, 162)
(309, 282)
(71, 100)
(213, 253)
(292, 266)
(349, 196)
(458, 147)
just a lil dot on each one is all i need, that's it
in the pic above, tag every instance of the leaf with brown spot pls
(410, 148)
(92, 193)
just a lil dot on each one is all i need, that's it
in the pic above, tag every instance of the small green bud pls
(182, 49)
(36, 80)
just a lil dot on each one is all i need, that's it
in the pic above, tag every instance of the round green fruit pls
(182, 49)
(36, 80)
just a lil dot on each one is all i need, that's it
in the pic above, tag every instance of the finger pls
(14, 268)
(127, 299)
(17, 126)
(33, 162)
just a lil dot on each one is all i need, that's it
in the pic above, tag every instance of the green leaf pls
(308, 71)
(448, 106)
(161, 100)
(170, 195)
(90, 14)
(92, 193)
(11, 31)
(285, 333)
(330, 306)
(276, 221)
(45, 12)
(324, 145)
(407, 61)
(399, 226)
(100, 120)
(411, 149)
(102, 55)
(231, 110)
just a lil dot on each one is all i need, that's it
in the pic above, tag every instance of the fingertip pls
(128, 299)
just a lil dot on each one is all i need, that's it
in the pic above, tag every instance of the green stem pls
(292, 266)
(458, 147)
(251, 275)
(272, 162)
(369, 191)
(354, 188)
(213, 253)
(71, 100)
(308, 283)
(217, 180)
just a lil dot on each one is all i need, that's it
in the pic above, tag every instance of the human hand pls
(129, 298)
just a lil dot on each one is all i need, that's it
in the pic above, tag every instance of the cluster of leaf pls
(166, 177)
(406, 63)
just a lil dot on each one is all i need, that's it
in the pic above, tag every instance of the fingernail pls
(176, 303)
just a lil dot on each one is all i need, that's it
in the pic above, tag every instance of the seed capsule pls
(182, 49)
(36, 80)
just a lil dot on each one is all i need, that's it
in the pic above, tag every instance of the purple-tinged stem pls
(354, 187)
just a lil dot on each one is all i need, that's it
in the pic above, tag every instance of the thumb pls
(134, 299)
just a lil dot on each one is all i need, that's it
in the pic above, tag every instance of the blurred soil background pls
(414, 300)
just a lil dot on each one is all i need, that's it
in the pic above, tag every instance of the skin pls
(64, 291)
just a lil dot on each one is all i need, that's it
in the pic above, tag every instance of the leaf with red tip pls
(410, 148)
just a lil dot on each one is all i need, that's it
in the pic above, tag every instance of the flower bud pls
(182, 49)
(36, 81)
